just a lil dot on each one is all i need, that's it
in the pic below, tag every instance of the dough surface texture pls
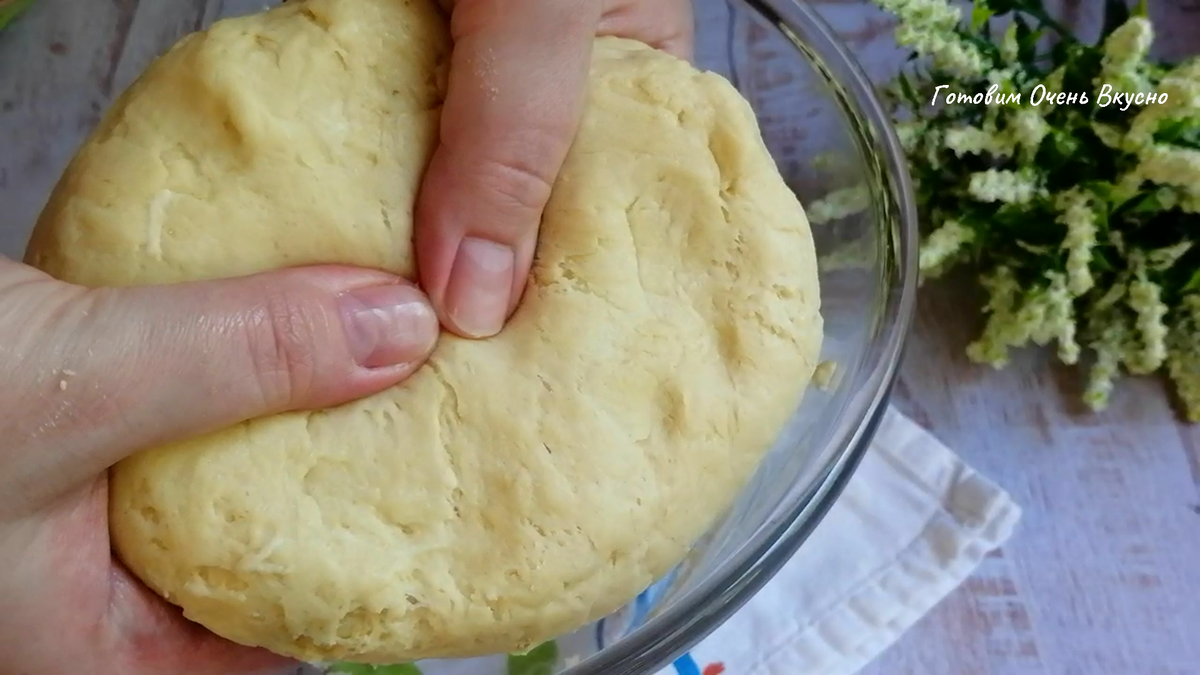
(515, 488)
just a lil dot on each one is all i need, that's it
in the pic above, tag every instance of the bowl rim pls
(665, 637)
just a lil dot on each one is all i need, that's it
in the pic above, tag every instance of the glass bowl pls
(831, 138)
(829, 135)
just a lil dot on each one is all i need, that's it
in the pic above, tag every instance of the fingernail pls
(479, 288)
(387, 325)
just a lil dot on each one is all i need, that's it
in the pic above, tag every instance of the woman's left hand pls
(90, 376)
(518, 78)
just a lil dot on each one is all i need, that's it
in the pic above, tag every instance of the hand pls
(518, 76)
(90, 376)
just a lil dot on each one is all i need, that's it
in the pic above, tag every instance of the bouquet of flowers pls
(1067, 175)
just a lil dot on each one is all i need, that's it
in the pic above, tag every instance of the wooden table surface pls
(1103, 575)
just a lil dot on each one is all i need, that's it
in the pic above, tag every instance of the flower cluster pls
(1123, 62)
(928, 27)
(1079, 214)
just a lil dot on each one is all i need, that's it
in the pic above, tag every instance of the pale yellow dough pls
(514, 488)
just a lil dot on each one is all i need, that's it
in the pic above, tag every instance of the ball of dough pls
(515, 488)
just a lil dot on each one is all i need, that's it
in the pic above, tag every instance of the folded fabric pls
(912, 524)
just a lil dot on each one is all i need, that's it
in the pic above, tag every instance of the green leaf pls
(352, 668)
(1027, 39)
(1035, 9)
(1181, 132)
(1144, 204)
(980, 14)
(540, 660)
(1057, 150)
(985, 46)
(1193, 284)
(1141, 9)
(9, 9)
(910, 95)
(348, 668)
(1101, 262)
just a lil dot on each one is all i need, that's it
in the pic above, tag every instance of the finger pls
(60, 573)
(668, 25)
(92, 375)
(516, 90)
(153, 637)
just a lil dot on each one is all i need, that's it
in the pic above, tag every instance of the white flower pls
(1041, 316)
(1028, 129)
(1009, 46)
(948, 51)
(943, 244)
(1124, 53)
(839, 204)
(931, 13)
(1162, 259)
(1052, 83)
(1126, 188)
(999, 333)
(1177, 167)
(1182, 87)
(1183, 355)
(1130, 42)
(857, 254)
(1079, 217)
(1002, 78)
(1189, 202)
(909, 134)
(928, 26)
(1113, 295)
(933, 143)
(1168, 198)
(996, 185)
(969, 140)
(1059, 322)
(1109, 347)
(1109, 135)
(1145, 299)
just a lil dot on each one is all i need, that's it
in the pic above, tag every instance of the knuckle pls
(516, 184)
(664, 24)
(515, 179)
(280, 339)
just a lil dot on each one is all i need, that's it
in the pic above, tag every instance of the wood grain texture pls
(1102, 576)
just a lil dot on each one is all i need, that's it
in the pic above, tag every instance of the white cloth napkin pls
(912, 524)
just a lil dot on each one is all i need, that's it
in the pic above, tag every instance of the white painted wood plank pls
(61, 65)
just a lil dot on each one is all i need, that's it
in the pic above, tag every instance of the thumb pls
(516, 90)
(102, 373)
